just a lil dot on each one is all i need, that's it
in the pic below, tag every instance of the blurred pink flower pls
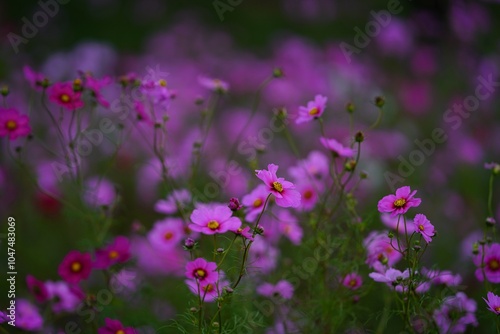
(166, 234)
(491, 261)
(117, 252)
(37, 288)
(283, 289)
(337, 148)
(64, 297)
(62, 94)
(115, 327)
(13, 124)
(254, 201)
(352, 281)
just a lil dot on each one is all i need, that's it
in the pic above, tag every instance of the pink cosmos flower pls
(263, 257)
(64, 297)
(284, 191)
(424, 227)
(352, 281)
(289, 227)
(166, 234)
(493, 303)
(309, 195)
(379, 251)
(75, 267)
(95, 86)
(337, 148)
(313, 110)
(142, 115)
(212, 219)
(283, 289)
(254, 202)
(34, 78)
(27, 316)
(62, 94)
(115, 327)
(390, 276)
(117, 252)
(209, 291)
(444, 277)
(245, 232)
(491, 263)
(99, 192)
(215, 85)
(37, 288)
(455, 313)
(400, 203)
(13, 124)
(178, 198)
(202, 270)
(314, 169)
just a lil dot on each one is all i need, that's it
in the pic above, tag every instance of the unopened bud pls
(349, 107)
(359, 137)
(278, 72)
(379, 101)
(4, 90)
(350, 165)
(490, 221)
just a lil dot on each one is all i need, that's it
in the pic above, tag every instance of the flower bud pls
(363, 175)
(234, 204)
(379, 101)
(475, 248)
(220, 250)
(390, 234)
(350, 165)
(278, 72)
(349, 107)
(359, 137)
(490, 221)
(189, 244)
(4, 90)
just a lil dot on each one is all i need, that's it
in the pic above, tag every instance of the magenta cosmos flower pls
(75, 267)
(115, 327)
(212, 219)
(455, 314)
(117, 252)
(400, 203)
(284, 191)
(202, 270)
(491, 264)
(337, 148)
(13, 124)
(424, 227)
(166, 234)
(62, 94)
(493, 302)
(283, 289)
(352, 281)
(254, 201)
(37, 288)
(313, 110)
(208, 291)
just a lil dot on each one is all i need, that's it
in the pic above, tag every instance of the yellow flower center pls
(257, 203)
(77, 82)
(113, 255)
(213, 225)
(277, 186)
(494, 264)
(399, 203)
(65, 98)
(497, 308)
(314, 111)
(162, 82)
(76, 267)
(120, 332)
(308, 194)
(168, 235)
(239, 230)
(200, 273)
(421, 227)
(209, 288)
(11, 125)
(352, 282)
